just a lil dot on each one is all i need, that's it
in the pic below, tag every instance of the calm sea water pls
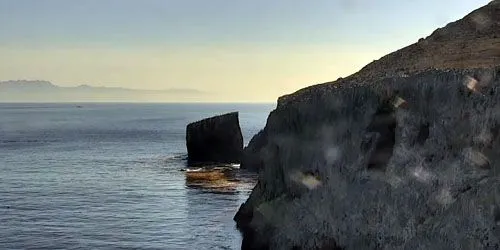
(107, 176)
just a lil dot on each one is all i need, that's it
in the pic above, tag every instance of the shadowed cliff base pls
(387, 158)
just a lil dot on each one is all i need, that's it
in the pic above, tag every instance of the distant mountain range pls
(44, 91)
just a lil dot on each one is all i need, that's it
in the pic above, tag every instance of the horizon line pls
(139, 102)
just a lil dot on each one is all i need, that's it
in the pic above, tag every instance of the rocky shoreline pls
(386, 158)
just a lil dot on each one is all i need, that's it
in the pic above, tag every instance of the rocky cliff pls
(215, 140)
(472, 42)
(404, 154)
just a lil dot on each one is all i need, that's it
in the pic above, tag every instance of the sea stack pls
(215, 140)
(404, 154)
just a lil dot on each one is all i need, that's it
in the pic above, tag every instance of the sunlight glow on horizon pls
(252, 57)
(237, 73)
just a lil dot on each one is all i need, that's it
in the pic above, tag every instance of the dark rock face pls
(404, 154)
(215, 140)
(383, 125)
(346, 169)
(252, 157)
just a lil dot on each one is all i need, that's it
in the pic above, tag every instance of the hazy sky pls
(243, 50)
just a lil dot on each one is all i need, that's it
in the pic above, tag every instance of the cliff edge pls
(404, 154)
(471, 42)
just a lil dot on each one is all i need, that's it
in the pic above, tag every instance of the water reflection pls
(211, 205)
(235, 182)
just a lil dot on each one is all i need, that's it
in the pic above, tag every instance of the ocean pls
(107, 176)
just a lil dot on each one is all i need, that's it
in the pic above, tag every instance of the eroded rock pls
(404, 154)
(431, 179)
(215, 140)
(425, 118)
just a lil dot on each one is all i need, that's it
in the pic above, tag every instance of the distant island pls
(45, 91)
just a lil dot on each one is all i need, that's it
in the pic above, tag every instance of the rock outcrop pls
(404, 154)
(215, 140)
(252, 155)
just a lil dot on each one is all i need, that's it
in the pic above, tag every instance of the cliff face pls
(472, 42)
(387, 158)
(215, 140)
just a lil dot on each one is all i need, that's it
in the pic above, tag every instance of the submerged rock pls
(215, 140)
(387, 161)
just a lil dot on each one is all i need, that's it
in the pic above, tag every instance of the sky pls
(244, 51)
